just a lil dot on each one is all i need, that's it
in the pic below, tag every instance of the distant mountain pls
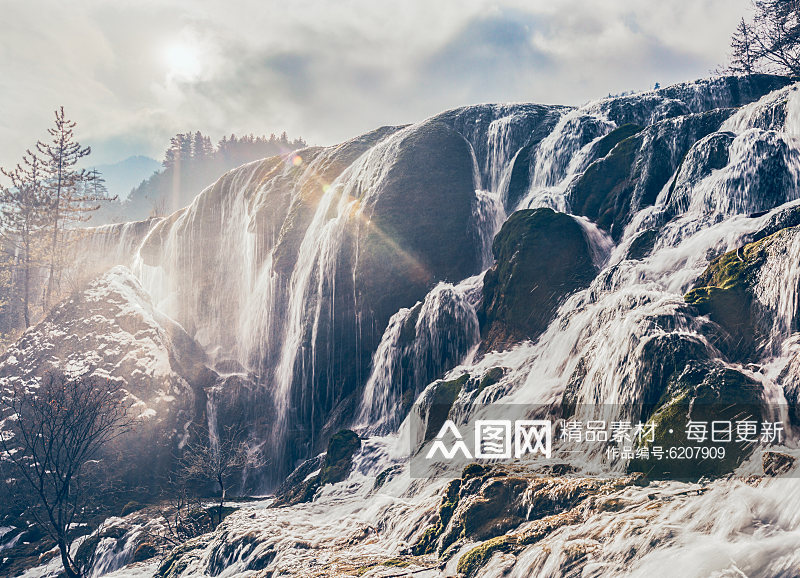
(123, 176)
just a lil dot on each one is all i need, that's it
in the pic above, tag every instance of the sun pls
(183, 61)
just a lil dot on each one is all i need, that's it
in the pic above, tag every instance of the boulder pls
(541, 257)
(703, 392)
(333, 468)
(728, 292)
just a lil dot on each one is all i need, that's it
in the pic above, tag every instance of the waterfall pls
(560, 156)
(274, 306)
(778, 290)
(419, 344)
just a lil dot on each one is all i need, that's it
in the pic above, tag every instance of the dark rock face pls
(334, 467)
(642, 245)
(542, 256)
(702, 392)
(423, 205)
(438, 401)
(633, 172)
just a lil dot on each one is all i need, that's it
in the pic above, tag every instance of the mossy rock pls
(703, 392)
(491, 377)
(630, 177)
(496, 510)
(475, 470)
(725, 292)
(440, 400)
(475, 559)
(541, 257)
(130, 508)
(428, 541)
(335, 467)
(339, 459)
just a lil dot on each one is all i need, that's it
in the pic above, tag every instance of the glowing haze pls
(134, 73)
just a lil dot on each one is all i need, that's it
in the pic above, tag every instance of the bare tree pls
(51, 432)
(183, 514)
(216, 459)
(771, 42)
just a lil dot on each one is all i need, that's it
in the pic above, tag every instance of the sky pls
(133, 73)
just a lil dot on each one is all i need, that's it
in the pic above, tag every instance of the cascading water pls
(597, 348)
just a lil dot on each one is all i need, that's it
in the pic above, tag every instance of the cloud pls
(134, 73)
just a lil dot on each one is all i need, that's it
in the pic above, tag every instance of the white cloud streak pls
(134, 73)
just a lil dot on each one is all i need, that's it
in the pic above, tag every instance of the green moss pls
(703, 392)
(427, 542)
(724, 292)
(491, 377)
(449, 502)
(475, 559)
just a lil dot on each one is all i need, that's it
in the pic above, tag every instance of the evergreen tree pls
(743, 49)
(68, 198)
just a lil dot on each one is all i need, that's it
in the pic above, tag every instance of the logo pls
(496, 439)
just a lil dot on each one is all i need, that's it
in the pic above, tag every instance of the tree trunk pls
(63, 548)
(27, 282)
(221, 500)
(53, 248)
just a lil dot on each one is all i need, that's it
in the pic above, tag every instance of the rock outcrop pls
(111, 330)
(542, 256)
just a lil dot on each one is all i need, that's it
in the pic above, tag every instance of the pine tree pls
(743, 49)
(70, 200)
(24, 212)
(771, 43)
